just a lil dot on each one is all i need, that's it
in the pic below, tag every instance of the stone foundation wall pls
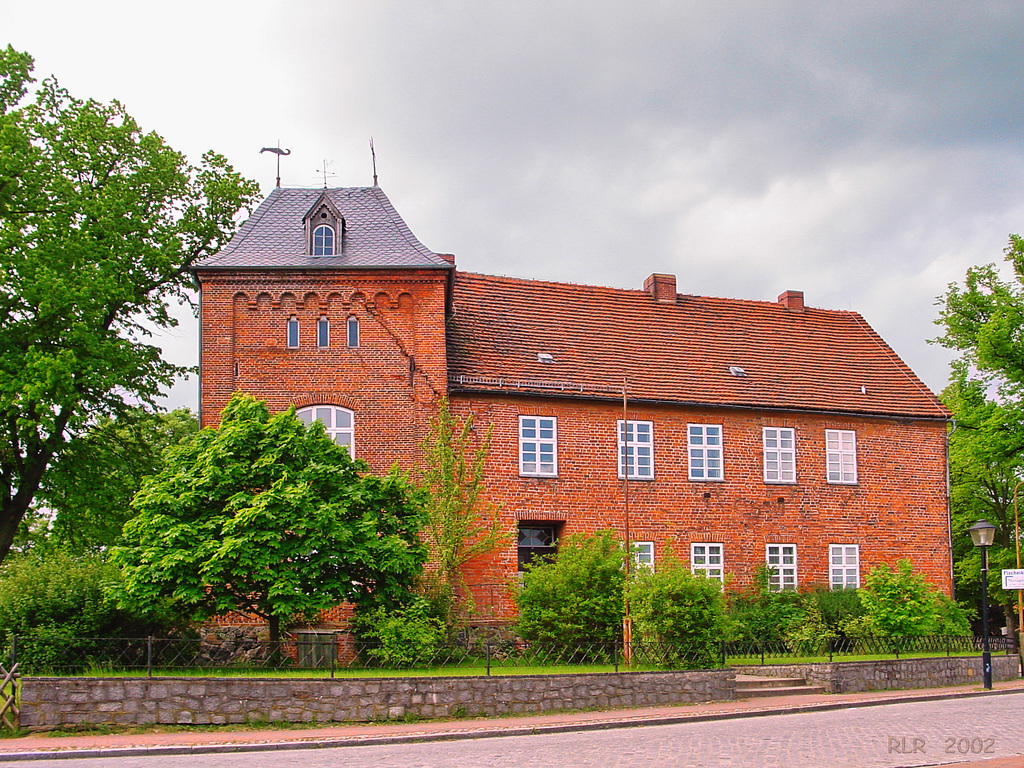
(51, 702)
(895, 674)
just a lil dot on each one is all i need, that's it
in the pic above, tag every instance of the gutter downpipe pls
(949, 511)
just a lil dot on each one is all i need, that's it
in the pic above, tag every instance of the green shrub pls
(902, 603)
(55, 594)
(48, 598)
(682, 612)
(761, 615)
(576, 598)
(837, 607)
(400, 638)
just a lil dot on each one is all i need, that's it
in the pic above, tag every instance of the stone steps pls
(757, 686)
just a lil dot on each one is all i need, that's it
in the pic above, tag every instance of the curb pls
(481, 733)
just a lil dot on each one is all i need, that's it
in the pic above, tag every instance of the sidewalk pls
(195, 742)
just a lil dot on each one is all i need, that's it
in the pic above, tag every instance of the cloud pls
(866, 153)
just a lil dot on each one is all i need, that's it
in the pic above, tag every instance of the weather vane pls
(277, 151)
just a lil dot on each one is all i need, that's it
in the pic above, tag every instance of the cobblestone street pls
(898, 735)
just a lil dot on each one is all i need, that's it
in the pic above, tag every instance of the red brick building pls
(750, 431)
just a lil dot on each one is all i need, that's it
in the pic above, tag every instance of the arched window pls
(353, 331)
(323, 240)
(339, 423)
(323, 332)
(293, 332)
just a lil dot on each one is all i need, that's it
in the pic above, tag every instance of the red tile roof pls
(681, 352)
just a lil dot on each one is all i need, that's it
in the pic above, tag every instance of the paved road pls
(891, 736)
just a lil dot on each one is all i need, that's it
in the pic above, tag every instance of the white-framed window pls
(781, 559)
(323, 332)
(538, 446)
(293, 332)
(704, 443)
(707, 559)
(643, 554)
(352, 331)
(779, 455)
(323, 240)
(844, 566)
(339, 423)
(636, 449)
(841, 455)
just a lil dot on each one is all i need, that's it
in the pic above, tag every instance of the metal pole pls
(627, 618)
(149, 656)
(487, 651)
(1020, 593)
(986, 653)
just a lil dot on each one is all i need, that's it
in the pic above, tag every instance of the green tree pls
(267, 516)
(682, 611)
(578, 597)
(99, 224)
(983, 320)
(459, 524)
(88, 492)
(986, 463)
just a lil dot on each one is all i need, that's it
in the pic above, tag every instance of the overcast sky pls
(865, 153)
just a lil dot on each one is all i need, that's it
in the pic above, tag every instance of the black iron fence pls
(327, 654)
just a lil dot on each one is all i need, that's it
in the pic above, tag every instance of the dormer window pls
(325, 228)
(323, 240)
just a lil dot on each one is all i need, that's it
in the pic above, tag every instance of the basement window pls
(537, 543)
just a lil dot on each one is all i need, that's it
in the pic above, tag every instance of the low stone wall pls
(51, 702)
(895, 674)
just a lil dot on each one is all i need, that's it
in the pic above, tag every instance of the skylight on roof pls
(544, 357)
(736, 371)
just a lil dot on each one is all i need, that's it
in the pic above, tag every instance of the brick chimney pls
(792, 300)
(661, 287)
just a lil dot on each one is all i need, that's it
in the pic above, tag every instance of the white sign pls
(1013, 578)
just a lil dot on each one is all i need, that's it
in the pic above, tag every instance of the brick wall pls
(897, 508)
(391, 381)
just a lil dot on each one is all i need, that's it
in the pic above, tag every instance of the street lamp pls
(983, 533)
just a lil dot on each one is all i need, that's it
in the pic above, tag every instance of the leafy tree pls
(984, 321)
(99, 223)
(88, 492)
(459, 525)
(267, 516)
(686, 612)
(986, 463)
(578, 597)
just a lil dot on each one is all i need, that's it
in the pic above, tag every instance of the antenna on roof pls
(325, 174)
(373, 155)
(277, 151)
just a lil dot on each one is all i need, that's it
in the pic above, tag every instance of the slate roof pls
(375, 235)
(810, 360)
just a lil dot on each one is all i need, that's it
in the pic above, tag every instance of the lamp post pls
(983, 533)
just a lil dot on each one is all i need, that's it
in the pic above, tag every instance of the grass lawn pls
(478, 668)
